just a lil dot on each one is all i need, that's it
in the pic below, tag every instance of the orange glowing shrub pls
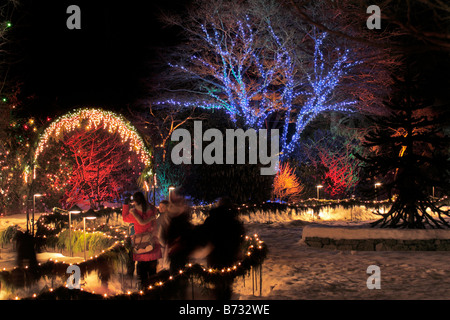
(286, 185)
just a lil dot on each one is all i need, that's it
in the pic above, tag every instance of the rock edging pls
(376, 239)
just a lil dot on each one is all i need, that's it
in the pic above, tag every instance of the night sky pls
(101, 65)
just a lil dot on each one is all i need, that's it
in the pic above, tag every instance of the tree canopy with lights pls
(258, 83)
(106, 153)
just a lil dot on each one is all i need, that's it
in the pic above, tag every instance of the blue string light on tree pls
(252, 80)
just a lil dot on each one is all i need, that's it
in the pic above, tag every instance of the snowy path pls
(293, 270)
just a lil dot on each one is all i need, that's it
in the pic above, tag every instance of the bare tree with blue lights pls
(258, 81)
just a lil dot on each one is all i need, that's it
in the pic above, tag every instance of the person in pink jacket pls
(144, 216)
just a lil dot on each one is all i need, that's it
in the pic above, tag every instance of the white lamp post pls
(34, 209)
(377, 185)
(171, 188)
(84, 227)
(318, 188)
(318, 195)
(74, 210)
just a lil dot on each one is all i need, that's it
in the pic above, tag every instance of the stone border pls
(376, 239)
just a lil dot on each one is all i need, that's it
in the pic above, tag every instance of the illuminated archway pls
(109, 175)
(95, 118)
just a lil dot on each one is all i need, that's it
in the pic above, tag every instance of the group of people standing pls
(175, 238)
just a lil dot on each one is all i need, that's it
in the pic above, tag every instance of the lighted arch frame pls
(96, 118)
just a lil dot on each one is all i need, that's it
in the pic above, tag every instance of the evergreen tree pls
(410, 155)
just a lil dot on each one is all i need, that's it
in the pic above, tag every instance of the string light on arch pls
(95, 118)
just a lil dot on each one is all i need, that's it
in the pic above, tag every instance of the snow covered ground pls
(293, 270)
(17, 219)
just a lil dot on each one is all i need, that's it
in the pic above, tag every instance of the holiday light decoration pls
(252, 83)
(241, 77)
(342, 173)
(323, 83)
(255, 249)
(286, 185)
(94, 118)
(104, 167)
(99, 154)
(332, 157)
(14, 167)
(300, 206)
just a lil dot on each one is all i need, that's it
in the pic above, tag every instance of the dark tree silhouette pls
(410, 155)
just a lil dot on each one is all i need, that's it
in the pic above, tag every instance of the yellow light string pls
(95, 117)
(212, 270)
(181, 271)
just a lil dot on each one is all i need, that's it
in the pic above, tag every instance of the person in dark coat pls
(224, 232)
(178, 234)
(26, 253)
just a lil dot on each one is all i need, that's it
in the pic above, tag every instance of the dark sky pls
(99, 65)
